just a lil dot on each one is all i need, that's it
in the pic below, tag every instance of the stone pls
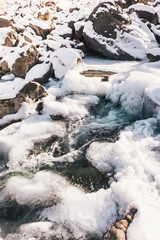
(114, 234)
(4, 23)
(11, 38)
(31, 92)
(109, 32)
(98, 73)
(119, 229)
(74, 9)
(44, 16)
(25, 62)
(4, 68)
(154, 55)
(58, 9)
(36, 25)
(147, 13)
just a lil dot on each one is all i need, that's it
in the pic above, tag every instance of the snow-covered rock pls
(29, 93)
(64, 59)
(145, 12)
(111, 32)
(154, 54)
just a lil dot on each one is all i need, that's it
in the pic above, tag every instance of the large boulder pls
(27, 60)
(111, 32)
(31, 92)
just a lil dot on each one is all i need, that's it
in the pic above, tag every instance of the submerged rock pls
(97, 73)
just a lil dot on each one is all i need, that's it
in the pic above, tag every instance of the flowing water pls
(67, 178)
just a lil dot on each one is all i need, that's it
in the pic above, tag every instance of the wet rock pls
(31, 92)
(25, 62)
(118, 231)
(144, 12)
(98, 73)
(150, 108)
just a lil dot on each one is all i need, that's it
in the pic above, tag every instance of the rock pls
(58, 9)
(156, 31)
(11, 38)
(44, 16)
(40, 73)
(4, 23)
(78, 30)
(41, 28)
(151, 103)
(97, 73)
(114, 234)
(109, 31)
(154, 54)
(119, 229)
(25, 62)
(74, 9)
(4, 68)
(31, 92)
(61, 64)
(147, 13)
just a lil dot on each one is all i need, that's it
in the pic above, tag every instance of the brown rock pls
(41, 31)
(114, 234)
(45, 17)
(4, 23)
(122, 225)
(58, 9)
(24, 63)
(31, 92)
(97, 73)
(4, 68)
(119, 229)
(74, 9)
(11, 39)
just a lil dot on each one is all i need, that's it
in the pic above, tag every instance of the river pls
(72, 175)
